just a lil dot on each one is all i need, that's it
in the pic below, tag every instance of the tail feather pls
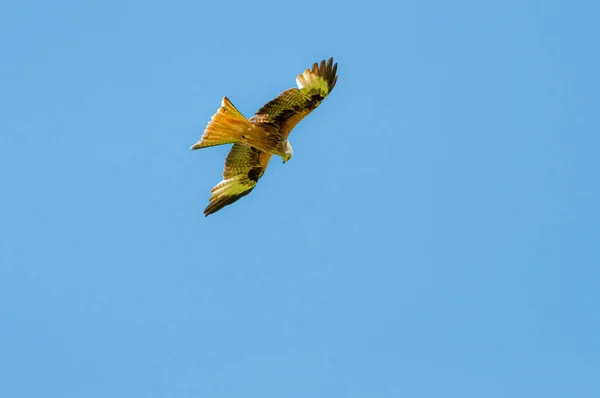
(226, 126)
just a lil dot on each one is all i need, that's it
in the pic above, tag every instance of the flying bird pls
(265, 134)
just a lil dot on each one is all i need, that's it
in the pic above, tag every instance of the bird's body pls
(265, 134)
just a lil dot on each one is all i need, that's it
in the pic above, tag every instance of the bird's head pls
(289, 152)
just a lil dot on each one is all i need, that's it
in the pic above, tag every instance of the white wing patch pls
(231, 186)
(311, 80)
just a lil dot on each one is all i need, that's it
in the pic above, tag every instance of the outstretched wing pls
(244, 166)
(291, 106)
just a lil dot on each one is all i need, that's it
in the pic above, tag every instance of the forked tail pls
(226, 126)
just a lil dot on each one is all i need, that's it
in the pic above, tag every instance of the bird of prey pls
(265, 134)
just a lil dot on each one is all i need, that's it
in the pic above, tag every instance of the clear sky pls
(436, 234)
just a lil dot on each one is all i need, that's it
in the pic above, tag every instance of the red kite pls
(265, 134)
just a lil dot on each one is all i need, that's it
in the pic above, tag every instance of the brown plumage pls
(264, 134)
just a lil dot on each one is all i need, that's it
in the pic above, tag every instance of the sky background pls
(437, 233)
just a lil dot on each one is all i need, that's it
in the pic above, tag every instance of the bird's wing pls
(244, 166)
(290, 107)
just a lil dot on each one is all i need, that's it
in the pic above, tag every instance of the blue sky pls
(436, 233)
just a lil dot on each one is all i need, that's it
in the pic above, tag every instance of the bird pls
(257, 139)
